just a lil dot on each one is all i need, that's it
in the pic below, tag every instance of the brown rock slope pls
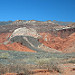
(65, 45)
(70, 44)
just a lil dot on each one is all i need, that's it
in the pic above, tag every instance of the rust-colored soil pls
(19, 47)
(3, 47)
(10, 74)
(69, 69)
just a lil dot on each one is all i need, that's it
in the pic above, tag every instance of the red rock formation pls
(4, 36)
(63, 44)
(3, 47)
(69, 45)
(15, 47)
(57, 42)
(51, 41)
(18, 47)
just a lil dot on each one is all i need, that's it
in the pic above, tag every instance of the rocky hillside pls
(20, 22)
(37, 36)
(5, 22)
(23, 38)
(35, 47)
(58, 43)
(47, 26)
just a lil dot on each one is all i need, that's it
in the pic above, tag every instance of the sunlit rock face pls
(25, 32)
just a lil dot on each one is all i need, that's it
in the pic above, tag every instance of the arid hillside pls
(48, 34)
(37, 48)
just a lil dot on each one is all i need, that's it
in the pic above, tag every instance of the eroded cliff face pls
(63, 33)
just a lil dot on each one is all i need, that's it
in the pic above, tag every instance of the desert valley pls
(37, 47)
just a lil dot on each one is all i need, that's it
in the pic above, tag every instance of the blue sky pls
(41, 10)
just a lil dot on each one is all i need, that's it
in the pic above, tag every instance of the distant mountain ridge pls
(5, 22)
(20, 22)
(40, 26)
(61, 23)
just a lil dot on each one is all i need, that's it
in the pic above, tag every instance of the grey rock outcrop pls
(25, 32)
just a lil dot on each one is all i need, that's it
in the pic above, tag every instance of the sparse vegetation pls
(71, 61)
(4, 55)
(14, 61)
(51, 64)
(19, 69)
